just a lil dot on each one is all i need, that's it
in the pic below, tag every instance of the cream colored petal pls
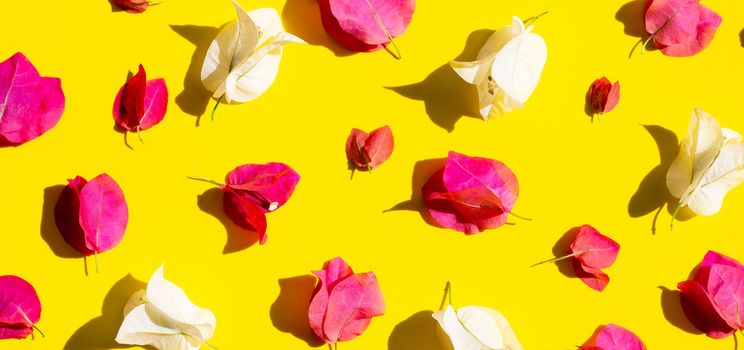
(460, 338)
(730, 136)
(267, 22)
(139, 329)
(172, 301)
(509, 338)
(256, 74)
(726, 172)
(473, 72)
(135, 300)
(233, 44)
(481, 325)
(698, 150)
(519, 65)
(501, 37)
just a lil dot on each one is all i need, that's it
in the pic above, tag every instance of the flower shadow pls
(48, 228)
(416, 332)
(652, 193)
(194, 98)
(445, 95)
(631, 15)
(422, 171)
(238, 239)
(561, 248)
(673, 313)
(302, 18)
(100, 332)
(289, 311)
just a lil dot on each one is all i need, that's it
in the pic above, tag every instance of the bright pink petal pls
(681, 27)
(613, 97)
(20, 308)
(726, 289)
(594, 250)
(701, 311)
(67, 215)
(245, 213)
(444, 213)
(132, 6)
(613, 337)
(156, 104)
(103, 213)
(462, 172)
(595, 279)
(30, 105)
(706, 29)
(353, 23)
(333, 272)
(264, 183)
(351, 305)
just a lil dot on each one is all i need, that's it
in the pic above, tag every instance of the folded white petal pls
(519, 65)
(233, 44)
(480, 325)
(173, 303)
(697, 152)
(138, 328)
(726, 172)
(459, 336)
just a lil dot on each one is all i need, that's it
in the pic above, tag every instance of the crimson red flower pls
(141, 104)
(603, 96)
(368, 151)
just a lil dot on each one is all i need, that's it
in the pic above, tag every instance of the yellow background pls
(571, 172)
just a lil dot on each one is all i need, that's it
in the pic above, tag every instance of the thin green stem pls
(204, 179)
(385, 30)
(153, 3)
(214, 109)
(554, 259)
(369, 168)
(447, 297)
(139, 135)
(519, 217)
(335, 346)
(210, 345)
(534, 19)
(674, 215)
(39, 330)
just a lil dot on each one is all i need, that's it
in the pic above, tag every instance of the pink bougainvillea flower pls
(368, 151)
(712, 300)
(343, 302)
(30, 104)
(603, 96)
(613, 337)
(134, 6)
(471, 194)
(591, 252)
(141, 104)
(366, 25)
(252, 190)
(20, 308)
(92, 215)
(680, 27)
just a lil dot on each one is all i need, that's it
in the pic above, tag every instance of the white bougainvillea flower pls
(476, 328)
(709, 164)
(164, 317)
(243, 60)
(507, 69)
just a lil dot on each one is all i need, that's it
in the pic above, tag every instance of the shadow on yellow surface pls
(238, 239)
(416, 332)
(194, 98)
(445, 95)
(302, 18)
(631, 15)
(652, 193)
(672, 309)
(100, 332)
(422, 171)
(49, 232)
(289, 311)
(561, 248)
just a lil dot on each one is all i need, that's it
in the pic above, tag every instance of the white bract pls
(476, 328)
(507, 69)
(164, 317)
(709, 164)
(243, 61)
